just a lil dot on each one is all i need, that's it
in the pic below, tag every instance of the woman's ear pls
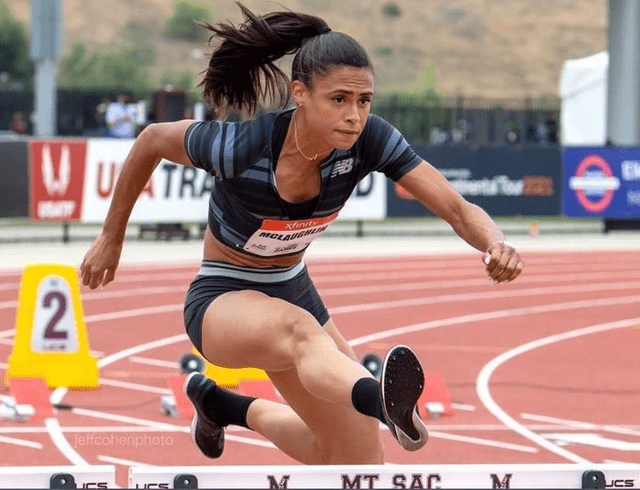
(298, 92)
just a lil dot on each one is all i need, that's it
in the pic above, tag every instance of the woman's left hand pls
(502, 262)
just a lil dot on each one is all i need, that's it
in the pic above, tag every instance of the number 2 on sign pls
(54, 326)
(50, 333)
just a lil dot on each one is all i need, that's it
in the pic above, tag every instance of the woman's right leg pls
(249, 328)
(320, 424)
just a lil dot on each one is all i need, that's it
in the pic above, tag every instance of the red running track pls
(542, 370)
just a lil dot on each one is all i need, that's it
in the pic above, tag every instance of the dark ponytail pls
(242, 68)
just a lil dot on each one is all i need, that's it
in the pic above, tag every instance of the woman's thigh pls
(251, 329)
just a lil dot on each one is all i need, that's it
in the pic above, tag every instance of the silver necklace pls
(295, 136)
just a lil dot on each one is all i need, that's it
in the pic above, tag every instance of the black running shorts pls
(291, 284)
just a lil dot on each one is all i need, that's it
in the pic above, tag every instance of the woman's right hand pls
(101, 261)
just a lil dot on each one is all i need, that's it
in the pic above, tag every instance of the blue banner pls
(502, 180)
(601, 182)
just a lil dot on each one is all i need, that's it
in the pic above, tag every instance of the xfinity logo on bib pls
(342, 167)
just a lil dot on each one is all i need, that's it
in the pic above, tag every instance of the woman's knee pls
(301, 331)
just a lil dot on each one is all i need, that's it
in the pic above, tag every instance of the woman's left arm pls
(470, 222)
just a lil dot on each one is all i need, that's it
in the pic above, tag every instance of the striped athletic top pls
(245, 210)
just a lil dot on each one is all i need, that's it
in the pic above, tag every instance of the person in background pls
(121, 118)
(18, 123)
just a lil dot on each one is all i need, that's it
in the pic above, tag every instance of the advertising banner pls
(601, 182)
(56, 170)
(503, 181)
(74, 180)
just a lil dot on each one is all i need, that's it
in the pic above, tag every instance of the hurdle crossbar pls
(99, 476)
(390, 476)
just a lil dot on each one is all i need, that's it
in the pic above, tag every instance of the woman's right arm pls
(155, 142)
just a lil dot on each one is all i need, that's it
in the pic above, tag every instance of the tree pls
(14, 47)
(183, 23)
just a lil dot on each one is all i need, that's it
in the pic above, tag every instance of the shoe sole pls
(402, 381)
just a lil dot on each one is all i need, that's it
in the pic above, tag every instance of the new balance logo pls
(342, 167)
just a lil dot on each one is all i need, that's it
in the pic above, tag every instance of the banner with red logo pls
(74, 180)
(56, 169)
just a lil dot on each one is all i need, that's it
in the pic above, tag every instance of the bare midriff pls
(214, 249)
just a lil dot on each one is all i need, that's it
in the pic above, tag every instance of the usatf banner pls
(601, 182)
(74, 180)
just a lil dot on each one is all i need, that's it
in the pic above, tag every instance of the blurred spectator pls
(101, 117)
(512, 136)
(121, 118)
(18, 123)
(552, 131)
(437, 136)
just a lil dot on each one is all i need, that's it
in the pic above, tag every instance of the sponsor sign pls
(368, 200)
(56, 169)
(601, 182)
(503, 181)
(74, 180)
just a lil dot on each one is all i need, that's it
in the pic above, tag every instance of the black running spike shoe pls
(401, 384)
(205, 434)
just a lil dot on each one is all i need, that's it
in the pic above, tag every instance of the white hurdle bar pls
(390, 476)
(100, 476)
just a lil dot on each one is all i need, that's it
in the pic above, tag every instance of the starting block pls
(32, 392)
(101, 476)
(231, 378)
(435, 399)
(51, 338)
(390, 476)
(262, 388)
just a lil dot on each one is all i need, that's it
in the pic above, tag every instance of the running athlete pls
(280, 180)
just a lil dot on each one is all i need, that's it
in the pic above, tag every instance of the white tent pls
(583, 91)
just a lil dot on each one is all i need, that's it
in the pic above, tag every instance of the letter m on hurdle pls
(283, 483)
(504, 483)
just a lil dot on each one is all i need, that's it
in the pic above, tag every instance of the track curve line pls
(483, 379)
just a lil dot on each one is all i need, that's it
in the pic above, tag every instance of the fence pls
(427, 118)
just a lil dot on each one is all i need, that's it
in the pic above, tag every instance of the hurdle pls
(610, 475)
(101, 476)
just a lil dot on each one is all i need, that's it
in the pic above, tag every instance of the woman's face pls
(335, 111)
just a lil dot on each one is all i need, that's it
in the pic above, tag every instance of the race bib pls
(281, 237)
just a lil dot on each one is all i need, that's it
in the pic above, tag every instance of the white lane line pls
(135, 386)
(118, 315)
(155, 362)
(497, 294)
(154, 344)
(471, 283)
(484, 378)
(20, 442)
(453, 272)
(575, 424)
(122, 462)
(360, 340)
(130, 420)
(492, 315)
(463, 406)
(125, 428)
(61, 442)
(483, 442)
